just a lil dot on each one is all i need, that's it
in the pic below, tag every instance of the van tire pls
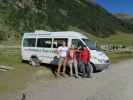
(34, 62)
(24, 61)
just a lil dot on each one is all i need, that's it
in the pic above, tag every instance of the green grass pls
(22, 74)
(117, 57)
(119, 38)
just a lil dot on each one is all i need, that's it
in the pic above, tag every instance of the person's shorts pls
(70, 61)
(62, 60)
(73, 62)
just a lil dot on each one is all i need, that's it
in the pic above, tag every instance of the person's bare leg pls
(76, 68)
(71, 70)
(64, 68)
(59, 68)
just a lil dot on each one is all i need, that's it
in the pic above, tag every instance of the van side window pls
(44, 42)
(76, 43)
(29, 42)
(58, 42)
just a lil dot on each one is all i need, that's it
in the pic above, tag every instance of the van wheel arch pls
(34, 61)
(34, 56)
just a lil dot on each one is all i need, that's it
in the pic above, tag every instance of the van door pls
(56, 43)
(44, 46)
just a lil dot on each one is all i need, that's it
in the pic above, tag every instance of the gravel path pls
(115, 83)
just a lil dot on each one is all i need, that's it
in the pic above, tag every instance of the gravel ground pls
(114, 83)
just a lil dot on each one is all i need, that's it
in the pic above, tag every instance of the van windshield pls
(90, 44)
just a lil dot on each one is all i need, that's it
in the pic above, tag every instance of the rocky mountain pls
(126, 18)
(121, 15)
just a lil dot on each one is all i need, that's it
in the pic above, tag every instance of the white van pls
(41, 47)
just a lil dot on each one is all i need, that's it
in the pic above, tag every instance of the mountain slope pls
(127, 19)
(20, 16)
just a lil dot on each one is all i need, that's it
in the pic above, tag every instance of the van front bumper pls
(100, 67)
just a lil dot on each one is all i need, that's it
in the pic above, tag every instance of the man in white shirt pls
(62, 51)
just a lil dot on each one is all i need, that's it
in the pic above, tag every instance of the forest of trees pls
(19, 16)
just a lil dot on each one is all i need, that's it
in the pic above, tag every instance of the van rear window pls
(29, 42)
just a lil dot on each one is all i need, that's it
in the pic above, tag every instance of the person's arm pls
(58, 50)
(80, 55)
(67, 54)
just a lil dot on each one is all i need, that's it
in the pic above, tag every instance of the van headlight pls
(97, 60)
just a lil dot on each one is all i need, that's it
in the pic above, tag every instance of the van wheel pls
(34, 62)
(22, 61)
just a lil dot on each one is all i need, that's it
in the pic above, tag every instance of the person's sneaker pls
(88, 76)
(57, 74)
(83, 76)
(64, 75)
(71, 75)
(77, 77)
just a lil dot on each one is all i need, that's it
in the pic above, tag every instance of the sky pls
(117, 6)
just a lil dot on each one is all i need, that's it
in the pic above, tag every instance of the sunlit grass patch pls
(116, 57)
(22, 73)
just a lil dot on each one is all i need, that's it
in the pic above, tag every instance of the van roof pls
(42, 33)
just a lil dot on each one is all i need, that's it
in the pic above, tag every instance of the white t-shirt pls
(62, 51)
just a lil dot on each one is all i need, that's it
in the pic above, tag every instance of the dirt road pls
(115, 83)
